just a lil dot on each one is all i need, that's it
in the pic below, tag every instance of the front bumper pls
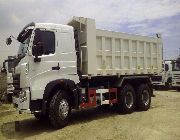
(176, 83)
(22, 100)
(158, 84)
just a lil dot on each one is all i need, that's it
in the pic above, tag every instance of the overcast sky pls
(145, 17)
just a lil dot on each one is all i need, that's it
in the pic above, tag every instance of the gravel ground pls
(160, 122)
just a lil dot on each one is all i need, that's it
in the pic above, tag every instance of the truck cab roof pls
(53, 26)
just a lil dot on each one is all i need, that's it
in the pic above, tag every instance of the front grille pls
(156, 78)
(16, 83)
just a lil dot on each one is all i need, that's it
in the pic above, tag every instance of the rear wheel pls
(143, 97)
(126, 100)
(59, 110)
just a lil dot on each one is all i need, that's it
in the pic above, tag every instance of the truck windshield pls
(24, 42)
(176, 66)
(23, 47)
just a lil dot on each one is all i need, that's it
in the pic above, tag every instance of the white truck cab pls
(164, 78)
(58, 53)
(8, 68)
(176, 74)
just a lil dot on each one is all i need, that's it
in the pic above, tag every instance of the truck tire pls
(126, 100)
(168, 84)
(59, 110)
(9, 98)
(143, 97)
(178, 89)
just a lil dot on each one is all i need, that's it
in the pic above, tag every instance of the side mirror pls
(37, 51)
(8, 41)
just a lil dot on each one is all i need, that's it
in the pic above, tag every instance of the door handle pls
(56, 67)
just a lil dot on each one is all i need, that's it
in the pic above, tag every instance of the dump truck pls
(164, 78)
(176, 74)
(8, 68)
(76, 66)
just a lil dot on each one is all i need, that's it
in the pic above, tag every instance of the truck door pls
(47, 68)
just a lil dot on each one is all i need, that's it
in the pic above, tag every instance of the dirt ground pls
(160, 122)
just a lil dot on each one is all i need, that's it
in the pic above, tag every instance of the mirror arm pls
(37, 59)
(13, 37)
(37, 52)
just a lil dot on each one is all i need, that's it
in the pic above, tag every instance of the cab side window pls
(46, 39)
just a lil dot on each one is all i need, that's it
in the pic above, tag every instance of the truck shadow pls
(24, 128)
(31, 127)
(87, 115)
(172, 90)
(161, 89)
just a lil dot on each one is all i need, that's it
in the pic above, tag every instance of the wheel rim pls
(145, 97)
(63, 109)
(129, 99)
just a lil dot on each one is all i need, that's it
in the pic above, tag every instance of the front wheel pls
(59, 110)
(143, 97)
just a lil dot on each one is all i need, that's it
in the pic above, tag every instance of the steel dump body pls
(114, 53)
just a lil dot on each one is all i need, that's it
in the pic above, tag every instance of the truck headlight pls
(27, 68)
(22, 96)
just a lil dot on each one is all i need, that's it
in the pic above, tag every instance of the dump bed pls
(114, 53)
